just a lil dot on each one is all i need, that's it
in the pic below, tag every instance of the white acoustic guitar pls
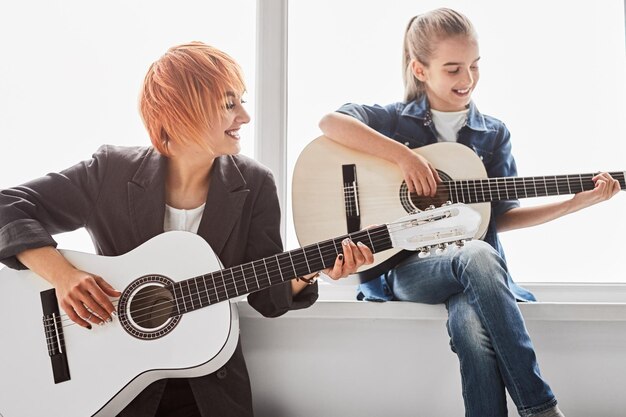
(174, 315)
(337, 190)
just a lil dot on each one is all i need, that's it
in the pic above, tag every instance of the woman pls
(190, 179)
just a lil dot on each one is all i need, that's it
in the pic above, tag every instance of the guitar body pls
(108, 366)
(319, 195)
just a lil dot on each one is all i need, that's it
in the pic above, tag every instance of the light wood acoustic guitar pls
(337, 190)
(175, 317)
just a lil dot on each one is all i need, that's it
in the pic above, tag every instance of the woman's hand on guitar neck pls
(83, 296)
(353, 257)
(420, 176)
(346, 263)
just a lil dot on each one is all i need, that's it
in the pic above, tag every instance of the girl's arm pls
(520, 217)
(420, 176)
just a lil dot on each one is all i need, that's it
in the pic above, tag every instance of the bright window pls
(552, 71)
(71, 72)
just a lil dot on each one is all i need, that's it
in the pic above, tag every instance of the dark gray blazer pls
(119, 197)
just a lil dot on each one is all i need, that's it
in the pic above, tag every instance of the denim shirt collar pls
(420, 109)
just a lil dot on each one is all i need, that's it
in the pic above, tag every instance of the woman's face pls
(223, 137)
(452, 73)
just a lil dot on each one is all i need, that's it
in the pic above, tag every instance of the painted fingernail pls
(340, 256)
(361, 244)
(345, 242)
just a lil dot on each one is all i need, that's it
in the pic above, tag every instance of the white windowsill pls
(559, 302)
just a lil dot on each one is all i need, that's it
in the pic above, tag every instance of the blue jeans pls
(485, 325)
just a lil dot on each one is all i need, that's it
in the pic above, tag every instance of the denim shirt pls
(411, 124)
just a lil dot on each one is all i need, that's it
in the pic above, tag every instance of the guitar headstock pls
(435, 228)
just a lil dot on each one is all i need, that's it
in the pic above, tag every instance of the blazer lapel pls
(225, 202)
(146, 197)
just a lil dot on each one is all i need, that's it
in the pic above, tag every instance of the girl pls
(486, 329)
(190, 179)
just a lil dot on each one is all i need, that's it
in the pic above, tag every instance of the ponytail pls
(413, 88)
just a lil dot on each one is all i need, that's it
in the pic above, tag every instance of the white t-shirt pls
(180, 219)
(448, 123)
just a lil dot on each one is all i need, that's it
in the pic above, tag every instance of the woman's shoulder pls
(249, 167)
(124, 153)
(122, 162)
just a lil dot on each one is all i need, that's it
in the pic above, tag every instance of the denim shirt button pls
(406, 143)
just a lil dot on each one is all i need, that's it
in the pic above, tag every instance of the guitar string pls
(223, 290)
(235, 275)
(554, 179)
(519, 185)
(553, 183)
(471, 191)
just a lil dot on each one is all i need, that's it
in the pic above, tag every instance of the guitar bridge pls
(351, 198)
(53, 331)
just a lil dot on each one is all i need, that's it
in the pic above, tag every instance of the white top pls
(180, 219)
(448, 123)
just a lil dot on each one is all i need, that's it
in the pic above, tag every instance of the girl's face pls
(452, 74)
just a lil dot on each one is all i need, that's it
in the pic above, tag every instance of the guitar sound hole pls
(147, 309)
(423, 202)
(151, 307)
(412, 201)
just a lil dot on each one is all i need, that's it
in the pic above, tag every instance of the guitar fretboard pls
(511, 188)
(204, 290)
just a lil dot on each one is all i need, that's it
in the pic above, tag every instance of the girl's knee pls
(468, 336)
(478, 262)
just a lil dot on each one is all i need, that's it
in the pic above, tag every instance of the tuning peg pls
(423, 252)
(431, 207)
(447, 203)
(441, 248)
(460, 243)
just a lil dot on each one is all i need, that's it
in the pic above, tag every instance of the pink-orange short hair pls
(186, 91)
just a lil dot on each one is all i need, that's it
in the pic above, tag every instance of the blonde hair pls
(420, 40)
(185, 92)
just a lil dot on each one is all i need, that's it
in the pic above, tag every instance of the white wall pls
(360, 359)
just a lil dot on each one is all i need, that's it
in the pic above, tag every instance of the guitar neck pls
(512, 188)
(218, 286)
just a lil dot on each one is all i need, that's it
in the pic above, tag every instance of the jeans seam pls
(499, 352)
(531, 411)
(464, 392)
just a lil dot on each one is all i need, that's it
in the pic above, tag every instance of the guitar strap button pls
(221, 373)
